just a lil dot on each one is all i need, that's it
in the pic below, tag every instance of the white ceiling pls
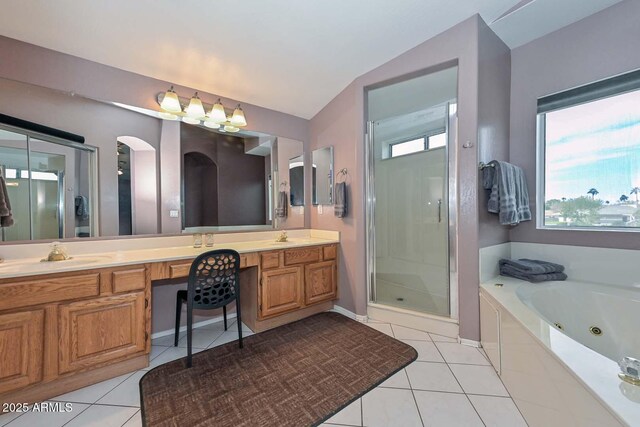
(289, 55)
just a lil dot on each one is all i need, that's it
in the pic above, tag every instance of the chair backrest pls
(214, 279)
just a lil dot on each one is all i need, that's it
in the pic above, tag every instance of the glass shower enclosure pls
(410, 188)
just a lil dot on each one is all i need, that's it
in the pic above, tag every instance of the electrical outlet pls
(174, 213)
(320, 209)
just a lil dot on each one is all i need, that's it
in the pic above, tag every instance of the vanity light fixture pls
(195, 112)
(238, 120)
(195, 109)
(170, 102)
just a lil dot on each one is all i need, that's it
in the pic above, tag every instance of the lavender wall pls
(342, 124)
(599, 46)
(494, 77)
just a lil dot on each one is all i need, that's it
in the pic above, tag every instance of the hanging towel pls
(340, 208)
(283, 204)
(6, 217)
(82, 207)
(509, 196)
(532, 266)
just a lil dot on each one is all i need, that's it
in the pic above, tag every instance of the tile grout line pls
(462, 388)
(131, 417)
(81, 412)
(415, 402)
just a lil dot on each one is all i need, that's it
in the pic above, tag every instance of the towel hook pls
(342, 173)
(284, 184)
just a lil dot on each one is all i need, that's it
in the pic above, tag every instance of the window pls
(416, 145)
(437, 141)
(589, 156)
(408, 147)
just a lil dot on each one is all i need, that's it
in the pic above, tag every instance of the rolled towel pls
(507, 270)
(532, 266)
(283, 204)
(340, 208)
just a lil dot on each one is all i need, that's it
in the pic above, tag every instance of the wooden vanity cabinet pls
(295, 282)
(63, 331)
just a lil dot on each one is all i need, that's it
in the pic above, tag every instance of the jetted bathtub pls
(556, 346)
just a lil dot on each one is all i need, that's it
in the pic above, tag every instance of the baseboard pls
(423, 322)
(350, 314)
(470, 343)
(215, 319)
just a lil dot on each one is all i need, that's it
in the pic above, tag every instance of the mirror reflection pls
(296, 180)
(151, 175)
(323, 176)
(49, 186)
(225, 178)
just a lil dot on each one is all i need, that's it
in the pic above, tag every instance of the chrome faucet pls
(630, 370)
(282, 237)
(58, 253)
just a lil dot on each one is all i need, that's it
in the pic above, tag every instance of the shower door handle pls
(439, 210)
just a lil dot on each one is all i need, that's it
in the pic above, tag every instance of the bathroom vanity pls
(65, 325)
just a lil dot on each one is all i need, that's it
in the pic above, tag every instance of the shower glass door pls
(410, 220)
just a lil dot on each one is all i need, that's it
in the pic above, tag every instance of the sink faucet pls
(58, 253)
(282, 237)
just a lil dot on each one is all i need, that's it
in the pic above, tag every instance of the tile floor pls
(449, 385)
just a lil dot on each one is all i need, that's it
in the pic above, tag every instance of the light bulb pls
(170, 102)
(231, 129)
(217, 114)
(195, 110)
(238, 118)
(211, 125)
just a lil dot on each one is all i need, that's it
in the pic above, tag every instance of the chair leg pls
(224, 314)
(239, 319)
(178, 313)
(189, 330)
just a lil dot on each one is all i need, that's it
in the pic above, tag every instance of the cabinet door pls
(21, 349)
(280, 291)
(320, 282)
(101, 329)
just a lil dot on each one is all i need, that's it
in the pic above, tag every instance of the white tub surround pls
(553, 377)
(25, 259)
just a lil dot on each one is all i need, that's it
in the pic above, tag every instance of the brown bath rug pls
(298, 374)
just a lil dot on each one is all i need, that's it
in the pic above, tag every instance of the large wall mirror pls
(322, 185)
(136, 174)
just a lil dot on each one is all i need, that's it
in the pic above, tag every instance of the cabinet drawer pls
(44, 290)
(329, 252)
(249, 260)
(128, 280)
(301, 255)
(179, 269)
(270, 260)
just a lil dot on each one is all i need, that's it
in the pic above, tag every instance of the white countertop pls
(88, 255)
(597, 372)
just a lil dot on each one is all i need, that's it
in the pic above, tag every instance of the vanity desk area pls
(68, 324)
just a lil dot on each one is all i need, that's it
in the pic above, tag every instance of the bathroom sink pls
(35, 265)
